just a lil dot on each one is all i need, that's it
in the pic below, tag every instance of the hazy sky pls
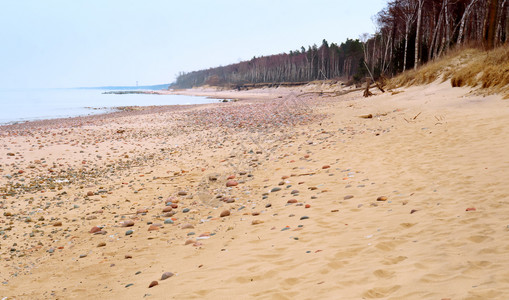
(71, 43)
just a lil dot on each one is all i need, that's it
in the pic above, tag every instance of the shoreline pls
(274, 196)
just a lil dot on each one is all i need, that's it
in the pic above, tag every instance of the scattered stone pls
(153, 227)
(129, 232)
(101, 244)
(381, 198)
(168, 221)
(95, 229)
(224, 213)
(413, 211)
(307, 206)
(326, 167)
(182, 193)
(142, 211)
(57, 224)
(187, 226)
(348, 197)
(153, 284)
(292, 201)
(276, 189)
(231, 183)
(90, 193)
(128, 256)
(127, 223)
(166, 275)
(256, 222)
(471, 209)
(304, 217)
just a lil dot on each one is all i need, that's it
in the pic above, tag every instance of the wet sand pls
(285, 194)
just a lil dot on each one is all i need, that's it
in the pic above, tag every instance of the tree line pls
(410, 32)
(313, 63)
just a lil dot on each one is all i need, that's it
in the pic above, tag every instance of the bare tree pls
(489, 36)
(417, 59)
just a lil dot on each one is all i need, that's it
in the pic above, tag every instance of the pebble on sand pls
(141, 211)
(381, 198)
(127, 223)
(470, 209)
(187, 226)
(153, 227)
(348, 197)
(256, 222)
(231, 183)
(95, 229)
(224, 213)
(166, 275)
(153, 283)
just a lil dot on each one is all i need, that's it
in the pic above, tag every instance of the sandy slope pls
(432, 151)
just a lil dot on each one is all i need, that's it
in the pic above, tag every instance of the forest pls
(409, 33)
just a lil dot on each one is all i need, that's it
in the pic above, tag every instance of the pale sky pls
(75, 43)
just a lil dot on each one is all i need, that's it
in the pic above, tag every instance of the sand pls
(321, 203)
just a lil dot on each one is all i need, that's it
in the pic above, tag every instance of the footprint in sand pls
(394, 260)
(383, 274)
(381, 292)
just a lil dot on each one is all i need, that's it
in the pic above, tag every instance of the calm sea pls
(37, 104)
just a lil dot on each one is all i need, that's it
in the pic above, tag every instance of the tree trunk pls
(434, 43)
(489, 36)
(406, 47)
(418, 34)
(447, 27)
(499, 25)
(463, 20)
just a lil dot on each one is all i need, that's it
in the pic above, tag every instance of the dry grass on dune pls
(488, 71)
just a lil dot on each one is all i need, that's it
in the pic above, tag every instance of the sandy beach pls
(288, 193)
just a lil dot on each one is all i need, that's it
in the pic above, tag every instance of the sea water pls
(21, 105)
